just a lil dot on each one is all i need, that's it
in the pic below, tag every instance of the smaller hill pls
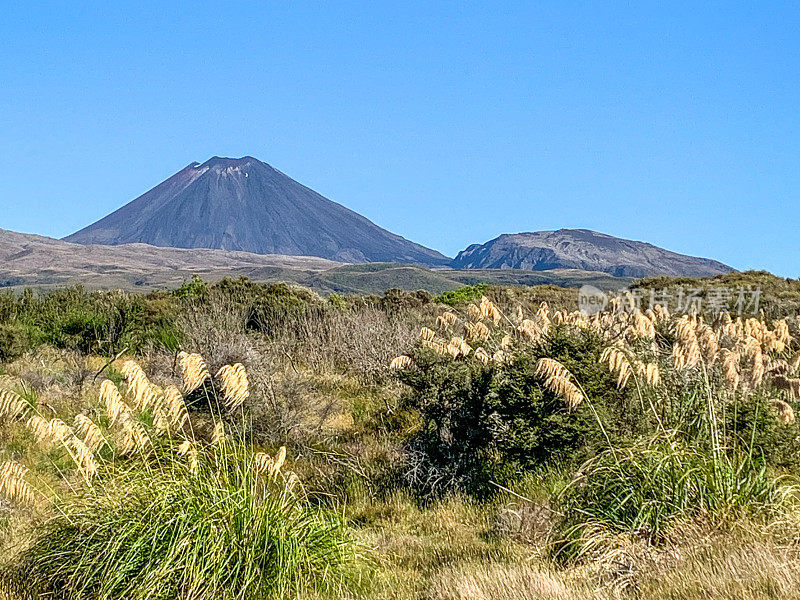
(585, 250)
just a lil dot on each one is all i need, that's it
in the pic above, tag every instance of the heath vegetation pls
(239, 440)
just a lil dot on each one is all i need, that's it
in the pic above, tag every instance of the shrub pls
(493, 422)
(275, 306)
(14, 341)
(462, 295)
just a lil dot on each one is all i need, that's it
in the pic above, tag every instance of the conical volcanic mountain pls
(245, 204)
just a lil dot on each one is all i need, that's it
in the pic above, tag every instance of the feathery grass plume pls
(39, 427)
(292, 480)
(12, 405)
(186, 448)
(550, 367)
(730, 364)
(686, 356)
(263, 463)
(781, 329)
(520, 314)
(441, 322)
(161, 420)
(133, 437)
(115, 405)
(785, 411)
(58, 431)
(661, 313)
(500, 357)
(577, 319)
(436, 346)
(708, 342)
(544, 312)
(194, 369)
(559, 381)
(506, 342)
(449, 317)
(277, 464)
(482, 355)
(473, 311)
(235, 385)
(649, 372)
(83, 456)
(642, 326)
(532, 330)
(138, 385)
(218, 437)
(12, 483)
(89, 433)
(489, 310)
(685, 327)
(618, 364)
(176, 407)
(754, 328)
(427, 334)
(478, 331)
(458, 347)
(400, 362)
(566, 390)
(752, 350)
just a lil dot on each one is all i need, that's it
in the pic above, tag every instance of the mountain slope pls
(586, 250)
(41, 262)
(35, 260)
(245, 204)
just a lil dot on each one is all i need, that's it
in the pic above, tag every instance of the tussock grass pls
(218, 530)
(648, 488)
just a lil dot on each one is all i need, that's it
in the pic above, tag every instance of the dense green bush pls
(462, 295)
(490, 423)
(102, 322)
(14, 341)
(275, 305)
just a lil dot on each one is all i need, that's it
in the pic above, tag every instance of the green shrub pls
(492, 423)
(14, 341)
(462, 295)
(276, 305)
(102, 322)
(167, 532)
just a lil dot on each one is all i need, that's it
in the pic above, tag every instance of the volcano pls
(246, 205)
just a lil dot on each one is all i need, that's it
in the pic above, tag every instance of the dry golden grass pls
(13, 484)
(194, 369)
(400, 362)
(112, 399)
(234, 384)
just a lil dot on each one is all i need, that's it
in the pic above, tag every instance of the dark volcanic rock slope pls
(245, 204)
(583, 249)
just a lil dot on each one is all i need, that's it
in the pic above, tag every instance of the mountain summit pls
(583, 249)
(245, 204)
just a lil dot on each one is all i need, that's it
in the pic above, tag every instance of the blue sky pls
(448, 123)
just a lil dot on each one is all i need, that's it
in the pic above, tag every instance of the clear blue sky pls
(448, 123)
